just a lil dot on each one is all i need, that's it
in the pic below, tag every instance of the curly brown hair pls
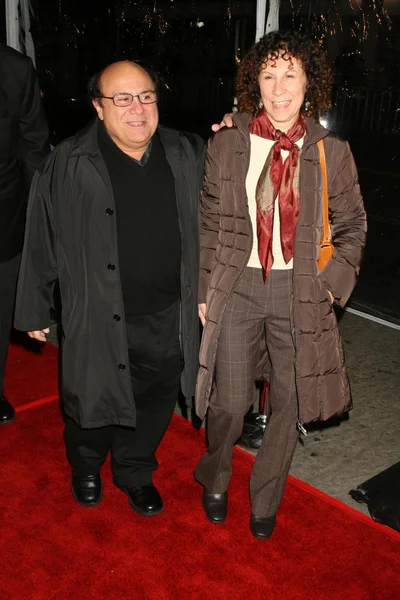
(286, 45)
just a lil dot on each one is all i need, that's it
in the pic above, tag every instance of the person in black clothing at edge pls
(113, 216)
(23, 146)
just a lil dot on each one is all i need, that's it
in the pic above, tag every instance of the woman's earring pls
(260, 104)
(307, 105)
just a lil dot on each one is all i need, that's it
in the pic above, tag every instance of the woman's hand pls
(331, 296)
(227, 121)
(202, 313)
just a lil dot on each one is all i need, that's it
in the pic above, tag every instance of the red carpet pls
(51, 548)
(31, 375)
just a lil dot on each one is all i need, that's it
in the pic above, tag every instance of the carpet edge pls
(314, 491)
(345, 507)
(36, 403)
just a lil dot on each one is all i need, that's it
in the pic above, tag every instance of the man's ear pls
(98, 108)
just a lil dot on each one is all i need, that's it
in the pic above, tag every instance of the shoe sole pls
(88, 504)
(261, 537)
(215, 522)
(143, 513)
(7, 421)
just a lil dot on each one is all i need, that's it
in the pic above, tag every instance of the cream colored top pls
(259, 150)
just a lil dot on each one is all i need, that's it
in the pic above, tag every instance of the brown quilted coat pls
(226, 241)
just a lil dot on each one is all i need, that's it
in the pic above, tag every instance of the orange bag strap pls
(322, 160)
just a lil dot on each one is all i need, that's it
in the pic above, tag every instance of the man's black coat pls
(71, 236)
(23, 144)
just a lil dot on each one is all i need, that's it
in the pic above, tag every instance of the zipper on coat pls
(247, 140)
(300, 427)
(299, 424)
(210, 385)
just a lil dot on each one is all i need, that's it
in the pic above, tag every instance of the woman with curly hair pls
(263, 298)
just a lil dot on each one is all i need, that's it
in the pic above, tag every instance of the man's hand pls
(331, 296)
(227, 121)
(202, 314)
(39, 335)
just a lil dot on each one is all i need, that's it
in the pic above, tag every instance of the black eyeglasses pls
(121, 99)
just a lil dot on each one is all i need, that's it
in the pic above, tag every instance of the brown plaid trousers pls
(258, 315)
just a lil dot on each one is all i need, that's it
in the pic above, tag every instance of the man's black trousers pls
(155, 366)
(8, 285)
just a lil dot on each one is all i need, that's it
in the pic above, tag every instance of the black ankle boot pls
(262, 527)
(215, 506)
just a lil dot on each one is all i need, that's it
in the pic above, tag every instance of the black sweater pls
(149, 244)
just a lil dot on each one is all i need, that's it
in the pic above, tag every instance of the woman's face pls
(282, 86)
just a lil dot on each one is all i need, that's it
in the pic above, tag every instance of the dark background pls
(195, 45)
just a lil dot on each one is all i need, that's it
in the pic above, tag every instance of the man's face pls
(131, 127)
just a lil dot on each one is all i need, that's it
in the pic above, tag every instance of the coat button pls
(109, 212)
(121, 367)
(116, 318)
(110, 267)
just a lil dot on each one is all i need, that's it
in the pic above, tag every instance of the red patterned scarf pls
(281, 175)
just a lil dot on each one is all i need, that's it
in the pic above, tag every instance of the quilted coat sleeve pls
(209, 215)
(38, 271)
(348, 224)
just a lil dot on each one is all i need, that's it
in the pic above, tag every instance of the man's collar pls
(106, 141)
(145, 156)
(85, 142)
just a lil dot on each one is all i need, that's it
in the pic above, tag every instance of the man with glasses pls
(113, 216)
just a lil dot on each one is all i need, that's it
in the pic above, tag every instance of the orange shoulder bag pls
(326, 247)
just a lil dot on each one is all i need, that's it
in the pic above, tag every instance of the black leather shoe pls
(7, 413)
(145, 500)
(87, 489)
(215, 506)
(262, 527)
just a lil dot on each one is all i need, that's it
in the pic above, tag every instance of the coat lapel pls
(100, 166)
(170, 141)
(85, 143)
(4, 100)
